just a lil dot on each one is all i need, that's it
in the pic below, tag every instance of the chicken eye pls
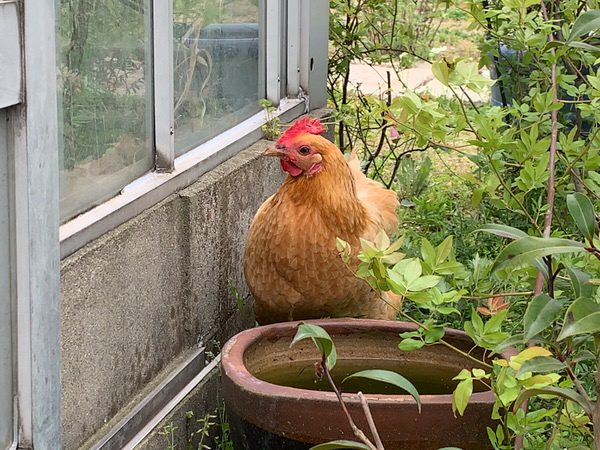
(304, 150)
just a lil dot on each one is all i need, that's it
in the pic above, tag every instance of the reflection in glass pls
(105, 84)
(216, 67)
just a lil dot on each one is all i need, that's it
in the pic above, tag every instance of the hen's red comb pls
(309, 125)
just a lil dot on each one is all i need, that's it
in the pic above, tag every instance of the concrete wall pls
(147, 292)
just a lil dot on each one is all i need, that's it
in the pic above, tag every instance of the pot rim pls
(232, 361)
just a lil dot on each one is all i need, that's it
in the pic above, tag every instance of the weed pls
(271, 127)
(168, 431)
(210, 432)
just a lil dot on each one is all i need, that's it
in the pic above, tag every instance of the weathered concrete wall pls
(144, 293)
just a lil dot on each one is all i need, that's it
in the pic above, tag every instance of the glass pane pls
(105, 78)
(6, 390)
(216, 64)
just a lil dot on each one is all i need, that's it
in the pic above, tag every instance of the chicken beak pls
(274, 151)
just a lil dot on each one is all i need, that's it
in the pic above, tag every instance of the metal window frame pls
(273, 47)
(162, 63)
(294, 22)
(314, 51)
(34, 162)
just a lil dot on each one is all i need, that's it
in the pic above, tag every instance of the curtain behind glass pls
(216, 67)
(105, 113)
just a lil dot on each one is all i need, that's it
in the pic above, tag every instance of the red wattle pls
(290, 168)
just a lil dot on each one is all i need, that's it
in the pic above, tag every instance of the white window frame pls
(174, 173)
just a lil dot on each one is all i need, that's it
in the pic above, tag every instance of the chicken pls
(291, 263)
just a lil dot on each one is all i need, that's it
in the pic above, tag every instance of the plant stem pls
(596, 411)
(552, 161)
(499, 294)
(372, 427)
(357, 431)
(551, 180)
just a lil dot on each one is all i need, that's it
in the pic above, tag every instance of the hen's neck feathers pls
(332, 192)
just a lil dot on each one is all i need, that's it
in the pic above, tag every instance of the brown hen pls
(291, 262)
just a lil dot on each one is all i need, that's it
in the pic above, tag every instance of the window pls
(111, 116)
(216, 68)
(6, 357)
(155, 93)
(106, 80)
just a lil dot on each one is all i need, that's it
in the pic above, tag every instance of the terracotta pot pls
(269, 416)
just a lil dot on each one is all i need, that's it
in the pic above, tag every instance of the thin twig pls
(552, 161)
(498, 294)
(547, 231)
(357, 431)
(596, 412)
(372, 427)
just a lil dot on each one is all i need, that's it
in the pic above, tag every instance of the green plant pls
(561, 327)
(200, 434)
(168, 431)
(535, 155)
(272, 124)
(240, 301)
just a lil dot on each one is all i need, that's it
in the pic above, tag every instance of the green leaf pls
(410, 344)
(440, 71)
(586, 23)
(583, 316)
(444, 249)
(582, 211)
(503, 231)
(334, 445)
(321, 339)
(541, 312)
(428, 252)
(568, 394)
(449, 268)
(461, 396)
(389, 377)
(464, 374)
(434, 334)
(529, 248)
(581, 282)
(395, 246)
(495, 323)
(412, 271)
(424, 282)
(476, 321)
(512, 233)
(541, 364)
(584, 46)
(410, 334)
(368, 248)
(382, 241)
